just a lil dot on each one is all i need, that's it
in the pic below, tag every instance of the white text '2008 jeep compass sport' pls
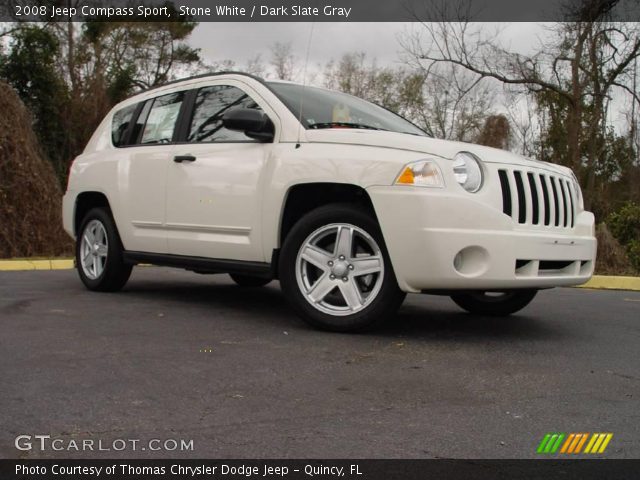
(347, 204)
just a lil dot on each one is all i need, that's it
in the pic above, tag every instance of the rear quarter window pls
(120, 125)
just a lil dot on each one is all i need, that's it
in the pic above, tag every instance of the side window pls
(161, 119)
(120, 125)
(210, 105)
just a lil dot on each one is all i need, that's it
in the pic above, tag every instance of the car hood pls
(431, 146)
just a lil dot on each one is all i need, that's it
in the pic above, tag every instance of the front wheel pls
(494, 303)
(335, 270)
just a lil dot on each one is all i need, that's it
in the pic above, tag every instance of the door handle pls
(184, 158)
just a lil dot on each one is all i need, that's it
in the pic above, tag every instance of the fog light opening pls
(471, 261)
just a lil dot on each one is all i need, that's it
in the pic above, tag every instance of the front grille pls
(534, 198)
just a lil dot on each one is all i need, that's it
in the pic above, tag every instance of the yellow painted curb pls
(46, 264)
(42, 264)
(613, 283)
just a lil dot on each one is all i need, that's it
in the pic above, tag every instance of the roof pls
(204, 75)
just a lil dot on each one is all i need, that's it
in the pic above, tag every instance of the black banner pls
(318, 469)
(316, 10)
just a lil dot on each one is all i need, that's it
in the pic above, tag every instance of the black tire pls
(249, 280)
(374, 311)
(483, 303)
(116, 272)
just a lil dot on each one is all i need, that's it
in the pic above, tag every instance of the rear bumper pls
(68, 212)
(438, 240)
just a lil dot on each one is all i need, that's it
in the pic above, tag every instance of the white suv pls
(347, 204)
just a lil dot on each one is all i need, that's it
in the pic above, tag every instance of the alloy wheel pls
(94, 247)
(340, 269)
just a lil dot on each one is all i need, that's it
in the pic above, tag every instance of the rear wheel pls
(494, 303)
(99, 253)
(335, 270)
(249, 280)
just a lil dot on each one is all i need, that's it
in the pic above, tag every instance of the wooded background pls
(572, 100)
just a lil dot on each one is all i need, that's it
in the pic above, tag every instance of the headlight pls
(467, 171)
(423, 173)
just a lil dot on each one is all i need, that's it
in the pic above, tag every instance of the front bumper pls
(442, 240)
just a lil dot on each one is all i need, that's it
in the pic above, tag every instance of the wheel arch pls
(85, 201)
(302, 198)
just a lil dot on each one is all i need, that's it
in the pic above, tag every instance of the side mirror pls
(252, 122)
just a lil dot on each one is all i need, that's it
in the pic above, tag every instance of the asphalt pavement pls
(193, 358)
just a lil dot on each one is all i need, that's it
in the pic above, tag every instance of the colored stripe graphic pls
(581, 442)
(565, 447)
(594, 437)
(543, 443)
(573, 443)
(550, 443)
(598, 443)
(605, 443)
(555, 447)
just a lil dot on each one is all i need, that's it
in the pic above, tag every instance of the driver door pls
(214, 183)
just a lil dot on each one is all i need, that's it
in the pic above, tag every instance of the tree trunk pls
(71, 67)
(574, 113)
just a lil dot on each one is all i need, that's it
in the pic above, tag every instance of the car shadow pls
(438, 322)
(421, 316)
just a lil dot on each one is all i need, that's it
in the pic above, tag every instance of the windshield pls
(330, 109)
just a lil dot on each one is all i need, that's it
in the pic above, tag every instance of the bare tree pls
(7, 29)
(283, 61)
(582, 63)
(456, 103)
(525, 123)
(398, 89)
(255, 66)
(445, 101)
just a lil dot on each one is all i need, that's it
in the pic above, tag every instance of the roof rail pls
(203, 75)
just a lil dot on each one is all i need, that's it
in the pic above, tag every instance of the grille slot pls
(529, 197)
(506, 192)
(572, 207)
(534, 199)
(565, 211)
(547, 204)
(556, 203)
(522, 202)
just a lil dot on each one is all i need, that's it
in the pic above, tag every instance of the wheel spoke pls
(351, 294)
(344, 241)
(99, 235)
(88, 238)
(96, 263)
(316, 256)
(87, 260)
(321, 289)
(366, 265)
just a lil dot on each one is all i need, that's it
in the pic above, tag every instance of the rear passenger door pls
(213, 199)
(142, 173)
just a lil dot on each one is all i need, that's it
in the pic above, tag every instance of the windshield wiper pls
(343, 124)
